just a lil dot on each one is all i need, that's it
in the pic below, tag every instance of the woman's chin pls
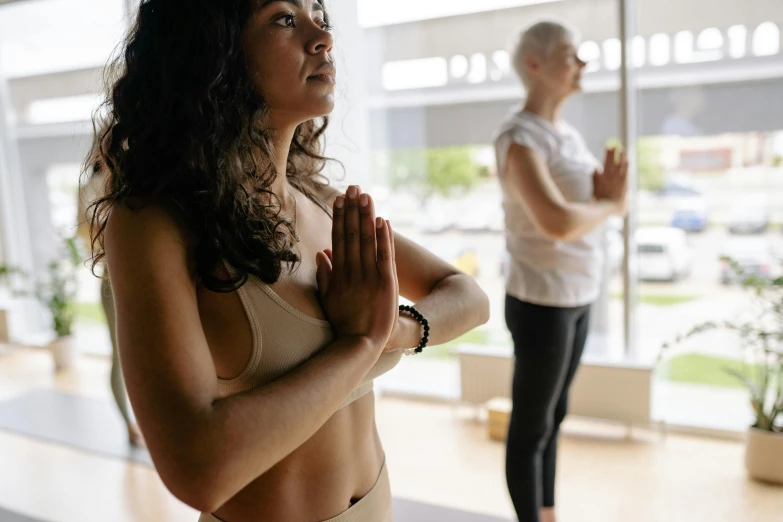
(316, 109)
(327, 106)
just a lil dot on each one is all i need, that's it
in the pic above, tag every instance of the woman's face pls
(288, 48)
(561, 72)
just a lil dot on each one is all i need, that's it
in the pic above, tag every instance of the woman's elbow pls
(558, 226)
(195, 476)
(204, 490)
(483, 308)
(554, 229)
(480, 301)
(198, 489)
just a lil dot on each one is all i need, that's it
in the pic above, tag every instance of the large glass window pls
(710, 185)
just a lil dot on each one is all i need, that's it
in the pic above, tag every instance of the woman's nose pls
(322, 41)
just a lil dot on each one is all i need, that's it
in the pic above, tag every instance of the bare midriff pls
(322, 478)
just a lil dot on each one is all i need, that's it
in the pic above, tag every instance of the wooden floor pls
(436, 454)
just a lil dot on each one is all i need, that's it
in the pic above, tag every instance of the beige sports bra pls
(283, 339)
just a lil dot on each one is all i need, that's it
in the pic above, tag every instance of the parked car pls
(663, 254)
(691, 215)
(749, 217)
(754, 257)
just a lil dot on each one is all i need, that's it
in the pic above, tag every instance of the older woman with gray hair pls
(556, 196)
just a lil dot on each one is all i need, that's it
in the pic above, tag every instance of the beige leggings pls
(376, 506)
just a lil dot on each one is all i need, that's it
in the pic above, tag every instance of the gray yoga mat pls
(7, 516)
(409, 511)
(82, 423)
(94, 426)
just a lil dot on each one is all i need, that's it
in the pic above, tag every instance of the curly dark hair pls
(184, 128)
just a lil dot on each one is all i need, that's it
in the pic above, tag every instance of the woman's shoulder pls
(526, 130)
(524, 123)
(149, 229)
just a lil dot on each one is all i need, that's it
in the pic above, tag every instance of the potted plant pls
(761, 341)
(57, 292)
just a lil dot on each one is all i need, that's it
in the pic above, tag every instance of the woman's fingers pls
(609, 161)
(338, 232)
(353, 260)
(394, 258)
(384, 257)
(323, 274)
(368, 242)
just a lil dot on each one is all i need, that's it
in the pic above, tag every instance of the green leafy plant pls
(432, 171)
(761, 339)
(57, 290)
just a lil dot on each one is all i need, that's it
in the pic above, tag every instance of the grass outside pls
(661, 300)
(446, 350)
(694, 368)
(93, 311)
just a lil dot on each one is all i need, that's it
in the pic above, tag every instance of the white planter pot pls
(65, 352)
(764, 456)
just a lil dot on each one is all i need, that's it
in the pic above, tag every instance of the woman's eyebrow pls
(298, 3)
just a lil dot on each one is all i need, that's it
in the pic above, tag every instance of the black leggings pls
(548, 344)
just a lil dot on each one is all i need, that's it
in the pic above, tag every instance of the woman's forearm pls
(578, 219)
(455, 306)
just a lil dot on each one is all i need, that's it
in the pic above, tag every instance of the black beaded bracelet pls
(420, 318)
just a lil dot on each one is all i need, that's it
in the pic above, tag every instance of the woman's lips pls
(325, 77)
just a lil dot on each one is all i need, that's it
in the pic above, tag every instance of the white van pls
(663, 254)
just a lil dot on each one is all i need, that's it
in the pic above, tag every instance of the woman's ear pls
(532, 63)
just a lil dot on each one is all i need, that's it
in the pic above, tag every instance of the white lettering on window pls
(683, 47)
(638, 51)
(590, 53)
(766, 39)
(660, 49)
(478, 68)
(710, 45)
(415, 74)
(738, 41)
(459, 66)
(612, 54)
(501, 65)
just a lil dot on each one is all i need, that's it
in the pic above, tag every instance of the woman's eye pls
(326, 26)
(288, 20)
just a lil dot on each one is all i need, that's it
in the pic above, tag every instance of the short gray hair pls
(540, 39)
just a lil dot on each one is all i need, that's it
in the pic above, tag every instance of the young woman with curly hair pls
(255, 304)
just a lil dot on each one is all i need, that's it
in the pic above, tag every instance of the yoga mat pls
(7, 516)
(89, 425)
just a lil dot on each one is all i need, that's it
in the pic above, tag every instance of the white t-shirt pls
(542, 270)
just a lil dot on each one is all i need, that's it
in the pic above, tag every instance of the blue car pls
(690, 218)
